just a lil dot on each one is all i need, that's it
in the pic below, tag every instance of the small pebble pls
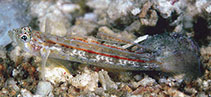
(86, 81)
(146, 81)
(106, 81)
(135, 11)
(11, 82)
(44, 88)
(208, 9)
(57, 74)
(138, 77)
(26, 93)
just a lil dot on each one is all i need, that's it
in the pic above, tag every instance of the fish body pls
(165, 52)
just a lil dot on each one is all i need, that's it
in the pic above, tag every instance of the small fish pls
(167, 52)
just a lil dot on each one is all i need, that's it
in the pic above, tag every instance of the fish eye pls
(24, 38)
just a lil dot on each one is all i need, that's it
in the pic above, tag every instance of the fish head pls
(21, 35)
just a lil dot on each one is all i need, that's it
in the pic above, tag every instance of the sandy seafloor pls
(20, 71)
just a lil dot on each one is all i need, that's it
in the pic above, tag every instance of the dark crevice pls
(201, 30)
(163, 25)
